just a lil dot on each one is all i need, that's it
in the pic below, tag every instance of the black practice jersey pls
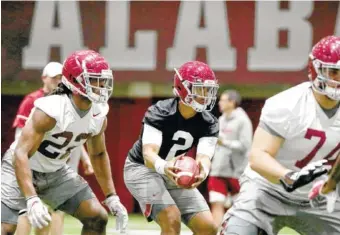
(179, 134)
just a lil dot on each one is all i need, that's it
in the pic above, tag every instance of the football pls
(189, 170)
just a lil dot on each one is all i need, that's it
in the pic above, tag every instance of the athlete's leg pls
(92, 215)
(194, 210)
(57, 224)
(217, 196)
(69, 192)
(238, 226)
(149, 189)
(9, 220)
(202, 223)
(168, 218)
(12, 200)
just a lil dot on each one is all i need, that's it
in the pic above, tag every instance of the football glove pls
(118, 210)
(37, 212)
(315, 195)
(297, 179)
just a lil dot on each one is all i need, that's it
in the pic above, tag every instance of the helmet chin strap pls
(332, 93)
(197, 106)
(102, 98)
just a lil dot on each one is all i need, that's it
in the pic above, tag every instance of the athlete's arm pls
(333, 178)
(84, 155)
(205, 151)
(262, 155)
(100, 161)
(101, 165)
(152, 140)
(17, 133)
(28, 143)
(86, 162)
(262, 160)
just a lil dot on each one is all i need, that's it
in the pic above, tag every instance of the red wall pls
(165, 18)
(124, 121)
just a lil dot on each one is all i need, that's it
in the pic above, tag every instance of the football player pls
(298, 132)
(36, 169)
(170, 128)
(51, 77)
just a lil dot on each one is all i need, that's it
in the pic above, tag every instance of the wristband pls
(111, 194)
(30, 197)
(160, 165)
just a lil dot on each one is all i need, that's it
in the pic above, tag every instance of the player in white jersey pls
(36, 170)
(51, 77)
(299, 129)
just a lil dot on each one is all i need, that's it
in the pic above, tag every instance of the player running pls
(298, 129)
(170, 128)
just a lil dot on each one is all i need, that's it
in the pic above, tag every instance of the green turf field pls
(137, 226)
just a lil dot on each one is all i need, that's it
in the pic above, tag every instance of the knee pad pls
(237, 226)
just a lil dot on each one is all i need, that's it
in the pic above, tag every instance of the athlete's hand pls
(201, 177)
(118, 210)
(297, 179)
(37, 212)
(170, 170)
(321, 191)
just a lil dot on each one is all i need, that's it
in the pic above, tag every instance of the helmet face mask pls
(98, 87)
(324, 83)
(324, 67)
(196, 85)
(88, 74)
(202, 96)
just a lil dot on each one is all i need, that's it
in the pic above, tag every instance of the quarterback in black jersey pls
(170, 128)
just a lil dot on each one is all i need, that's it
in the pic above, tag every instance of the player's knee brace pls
(237, 226)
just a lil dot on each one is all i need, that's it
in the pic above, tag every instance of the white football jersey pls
(70, 131)
(310, 135)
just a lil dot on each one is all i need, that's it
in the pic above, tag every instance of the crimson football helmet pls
(87, 73)
(196, 85)
(325, 61)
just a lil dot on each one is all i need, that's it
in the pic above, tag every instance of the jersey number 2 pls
(188, 140)
(322, 138)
